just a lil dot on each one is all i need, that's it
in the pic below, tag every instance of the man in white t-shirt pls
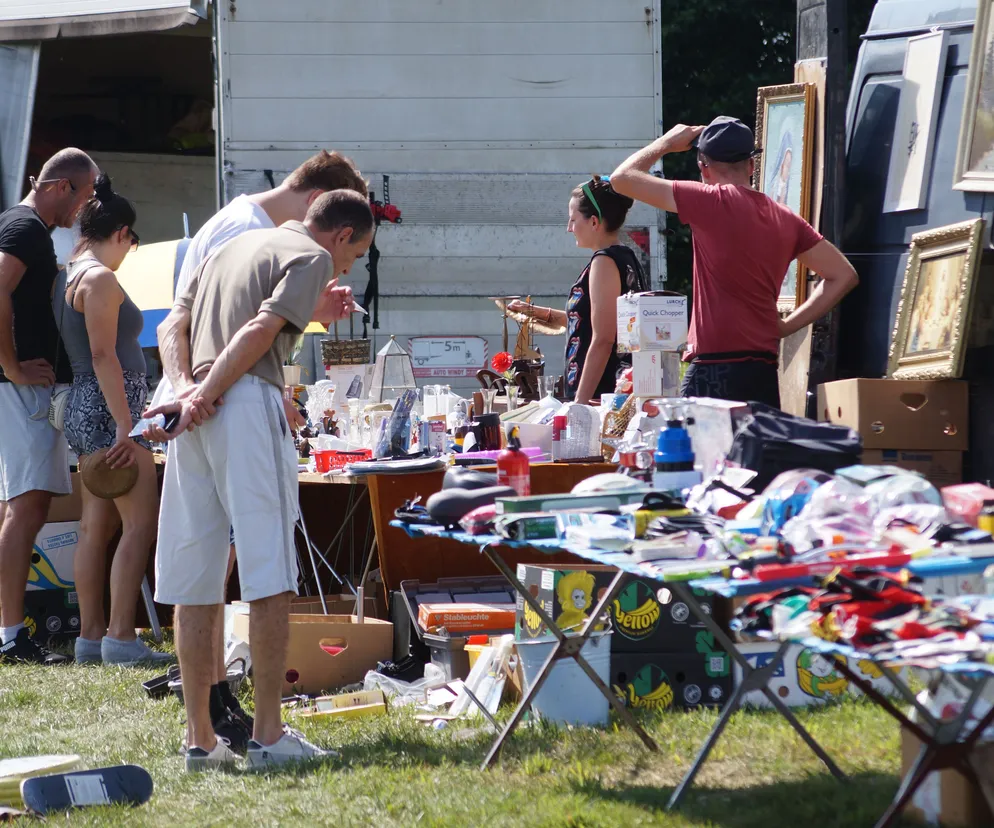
(289, 201)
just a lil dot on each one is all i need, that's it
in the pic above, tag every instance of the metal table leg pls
(566, 647)
(942, 746)
(752, 679)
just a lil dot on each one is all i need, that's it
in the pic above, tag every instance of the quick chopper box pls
(644, 616)
(651, 321)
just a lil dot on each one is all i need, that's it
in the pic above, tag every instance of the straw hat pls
(102, 480)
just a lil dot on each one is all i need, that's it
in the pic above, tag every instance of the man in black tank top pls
(34, 461)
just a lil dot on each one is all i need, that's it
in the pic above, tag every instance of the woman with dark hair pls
(596, 215)
(100, 326)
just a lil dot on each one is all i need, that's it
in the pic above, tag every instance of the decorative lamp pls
(393, 373)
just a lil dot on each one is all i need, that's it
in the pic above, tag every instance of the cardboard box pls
(940, 468)
(805, 677)
(51, 615)
(52, 557)
(644, 616)
(899, 414)
(658, 681)
(945, 797)
(656, 374)
(337, 605)
(311, 669)
(652, 321)
(70, 506)
(466, 617)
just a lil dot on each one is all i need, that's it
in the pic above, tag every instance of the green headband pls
(589, 194)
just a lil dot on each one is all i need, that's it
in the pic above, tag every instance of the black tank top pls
(579, 330)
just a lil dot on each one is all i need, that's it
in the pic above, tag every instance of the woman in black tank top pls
(592, 364)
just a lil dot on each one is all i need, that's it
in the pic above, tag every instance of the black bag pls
(771, 442)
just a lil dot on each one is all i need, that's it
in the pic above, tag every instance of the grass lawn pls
(397, 772)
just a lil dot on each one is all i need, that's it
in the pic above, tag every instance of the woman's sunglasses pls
(135, 241)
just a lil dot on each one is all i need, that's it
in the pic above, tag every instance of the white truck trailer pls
(483, 113)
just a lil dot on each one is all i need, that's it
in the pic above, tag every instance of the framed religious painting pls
(933, 317)
(785, 117)
(974, 168)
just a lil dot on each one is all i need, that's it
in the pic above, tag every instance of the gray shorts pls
(33, 455)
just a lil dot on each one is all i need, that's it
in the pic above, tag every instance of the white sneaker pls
(292, 747)
(198, 759)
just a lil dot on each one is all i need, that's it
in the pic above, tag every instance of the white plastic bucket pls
(568, 696)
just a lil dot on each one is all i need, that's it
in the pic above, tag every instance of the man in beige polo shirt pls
(235, 464)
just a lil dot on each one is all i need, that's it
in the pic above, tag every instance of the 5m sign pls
(447, 356)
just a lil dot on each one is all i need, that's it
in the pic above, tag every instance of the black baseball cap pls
(727, 140)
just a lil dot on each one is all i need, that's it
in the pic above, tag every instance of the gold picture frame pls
(974, 170)
(933, 316)
(781, 112)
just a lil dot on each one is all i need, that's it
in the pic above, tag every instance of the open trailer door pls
(18, 76)
(25, 23)
(25, 20)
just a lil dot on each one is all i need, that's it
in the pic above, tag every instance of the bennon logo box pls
(644, 616)
(660, 680)
(653, 321)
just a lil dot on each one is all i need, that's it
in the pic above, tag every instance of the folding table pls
(758, 679)
(566, 646)
(937, 744)
(945, 743)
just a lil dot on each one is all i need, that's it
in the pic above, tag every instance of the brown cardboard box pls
(946, 796)
(336, 604)
(940, 468)
(311, 668)
(899, 414)
(68, 507)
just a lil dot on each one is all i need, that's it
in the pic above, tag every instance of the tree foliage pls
(715, 56)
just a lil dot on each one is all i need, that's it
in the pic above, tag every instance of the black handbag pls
(770, 442)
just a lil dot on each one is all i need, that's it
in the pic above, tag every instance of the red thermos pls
(513, 466)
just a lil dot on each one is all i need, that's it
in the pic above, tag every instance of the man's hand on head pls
(681, 137)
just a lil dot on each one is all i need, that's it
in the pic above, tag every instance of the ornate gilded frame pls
(945, 363)
(789, 93)
(963, 178)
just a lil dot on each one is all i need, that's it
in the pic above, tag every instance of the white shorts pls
(33, 455)
(238, 470)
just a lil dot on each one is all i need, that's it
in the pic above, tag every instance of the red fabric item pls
(743, 244)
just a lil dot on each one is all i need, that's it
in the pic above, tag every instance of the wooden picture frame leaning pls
(779, 110)
(974, 169)
(933, 316)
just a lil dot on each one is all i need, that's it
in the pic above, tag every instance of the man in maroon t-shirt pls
(744, 243)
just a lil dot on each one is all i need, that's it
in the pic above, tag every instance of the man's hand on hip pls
(33, 372)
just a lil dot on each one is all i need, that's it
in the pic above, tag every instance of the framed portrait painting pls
(784, 132)
(974, 169)
(933, 317)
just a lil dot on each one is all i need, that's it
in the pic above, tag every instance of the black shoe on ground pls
(235, 732)
(244, 719)
(24, 650)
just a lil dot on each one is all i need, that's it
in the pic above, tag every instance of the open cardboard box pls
(946, 797)
(900, 414)
(312, 669)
